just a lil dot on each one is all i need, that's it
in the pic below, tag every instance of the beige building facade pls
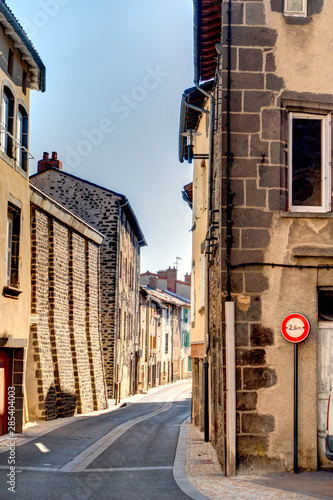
(271, 192)
(196, 195)
(21, 70)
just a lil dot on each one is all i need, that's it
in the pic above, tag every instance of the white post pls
(231, 388)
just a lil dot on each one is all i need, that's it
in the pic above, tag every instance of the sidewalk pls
(204, 472)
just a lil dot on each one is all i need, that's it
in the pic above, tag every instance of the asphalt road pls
(125, 454)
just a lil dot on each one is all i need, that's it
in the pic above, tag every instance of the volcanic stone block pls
(250, 60)
(274, 82)
(256, 282)
(246, 401)
(242, 334)
(255, 14)
(261, 336)
(252, 445)
(251, 36)
(254, 100)
(250, 357)
(252, 423)
(258, 378)
(255, 238)
(271, 124)
(254, 197)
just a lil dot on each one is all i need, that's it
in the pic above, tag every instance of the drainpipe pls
(231, 389)
(229, 304)
(209, 206)
(120, 207)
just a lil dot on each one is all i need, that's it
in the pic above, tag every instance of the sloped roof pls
(14, 30)
(189, 117)
(207, 32)
(123, 202)
(166, 296)
(58, 210)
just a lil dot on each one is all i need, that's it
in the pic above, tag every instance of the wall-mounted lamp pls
(190, 134)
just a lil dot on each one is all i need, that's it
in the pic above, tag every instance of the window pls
(22, 138)
(10, 62)
(185, 315)
(24, 82)
(13, 246)
(309, 163)
(325, 304)
(7, 114)
(295, 8)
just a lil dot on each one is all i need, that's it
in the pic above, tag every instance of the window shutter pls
(9, 239)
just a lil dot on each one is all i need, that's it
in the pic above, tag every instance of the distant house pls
(21, 70)
(111, 214)
(164, 337)
(167, 280)
(65, 373)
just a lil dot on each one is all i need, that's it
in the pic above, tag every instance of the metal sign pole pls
(296, 408)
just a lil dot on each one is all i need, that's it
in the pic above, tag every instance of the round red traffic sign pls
(295, 327)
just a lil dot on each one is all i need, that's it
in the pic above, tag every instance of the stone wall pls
(65, 369)
(100, 208)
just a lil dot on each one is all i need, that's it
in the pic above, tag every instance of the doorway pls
(5, 382)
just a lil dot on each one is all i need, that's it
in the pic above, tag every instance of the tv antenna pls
(177, 261)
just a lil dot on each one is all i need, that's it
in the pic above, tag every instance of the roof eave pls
(30, 55)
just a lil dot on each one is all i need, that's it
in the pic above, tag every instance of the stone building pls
(270, 189)
(111, 214)
(21, 70)
(65, 372)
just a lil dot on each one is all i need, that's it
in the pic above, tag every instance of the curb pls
(179, 472)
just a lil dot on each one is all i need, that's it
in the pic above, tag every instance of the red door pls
(5, 382)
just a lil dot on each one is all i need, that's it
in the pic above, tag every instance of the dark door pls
(5, 382)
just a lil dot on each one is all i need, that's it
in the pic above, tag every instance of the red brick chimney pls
(47, 162)
(171, 279)
(153, 282)
(187, 278)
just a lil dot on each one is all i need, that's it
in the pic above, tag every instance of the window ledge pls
(6, 158)
(307, 215)
(11, 292)
(294, 19)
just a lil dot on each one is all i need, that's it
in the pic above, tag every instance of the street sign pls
(295, 328)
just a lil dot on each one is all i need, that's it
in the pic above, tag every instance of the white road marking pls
(42, 447)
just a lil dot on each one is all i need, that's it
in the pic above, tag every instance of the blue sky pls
(116, 71)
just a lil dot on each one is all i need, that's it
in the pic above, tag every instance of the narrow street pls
(123, 454)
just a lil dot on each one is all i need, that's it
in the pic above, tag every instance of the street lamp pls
(190, 134)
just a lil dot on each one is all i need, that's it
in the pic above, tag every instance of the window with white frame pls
(22, 138)
(7, 113)
(309, 163)
(13, 246)
(295, 8)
